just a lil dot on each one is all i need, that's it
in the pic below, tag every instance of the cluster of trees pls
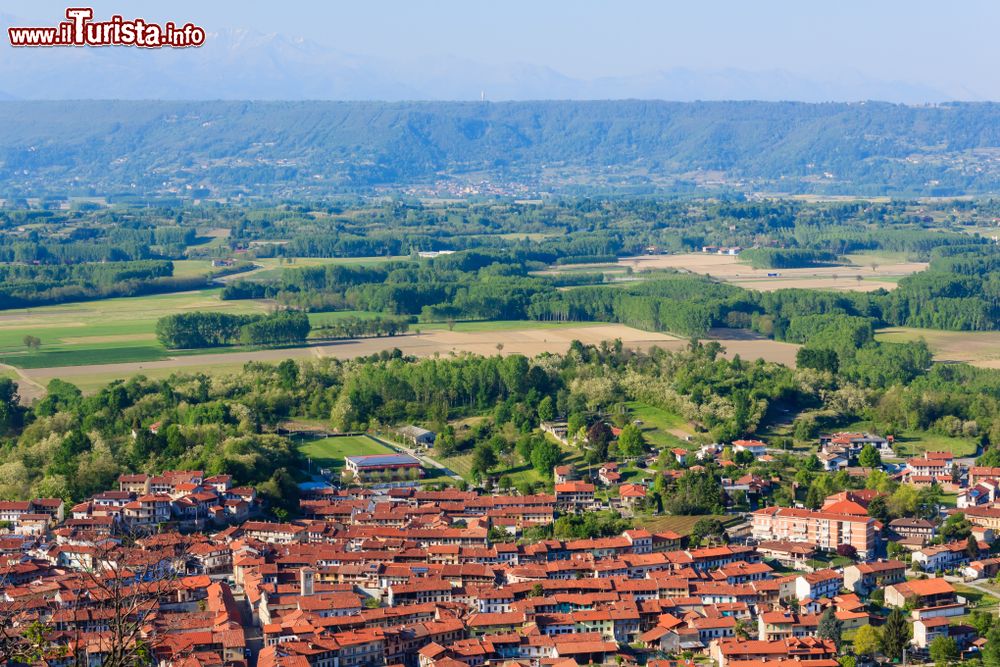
(786, 258)
(72, 446)
(361, 327)
(211, 329)
(26, 285)
(695, 492)
(591, 524)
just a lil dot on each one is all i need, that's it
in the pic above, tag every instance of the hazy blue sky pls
(950, 46)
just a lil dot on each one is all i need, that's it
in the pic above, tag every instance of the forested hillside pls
(205, 148)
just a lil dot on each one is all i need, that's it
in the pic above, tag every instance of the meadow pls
(101, 332)
(977, 348)
(271, 268)
(520, 473)
(910, 442)
(660, 427)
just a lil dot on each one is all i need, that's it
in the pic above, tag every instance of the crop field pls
(513, 338)
(330, 452)
(681, 525)
(91, 379)
(101, 332)
(978, 348)
(861, 272)
(502, 325)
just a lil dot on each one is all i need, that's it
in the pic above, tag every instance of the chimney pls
(307, 581)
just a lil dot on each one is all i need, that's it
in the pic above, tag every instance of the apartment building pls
(825, 530)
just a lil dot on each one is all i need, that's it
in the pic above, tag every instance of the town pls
(182, 568)
(468, 334)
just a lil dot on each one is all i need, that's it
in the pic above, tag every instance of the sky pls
(946, 46)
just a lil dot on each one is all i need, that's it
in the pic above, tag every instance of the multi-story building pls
(574, 494)
(823, 529)
(920, 593)
(864, 578)
(931, 464)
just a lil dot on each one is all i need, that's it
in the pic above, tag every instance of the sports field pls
(330, 452)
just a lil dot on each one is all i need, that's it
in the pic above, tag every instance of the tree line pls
(210, 329)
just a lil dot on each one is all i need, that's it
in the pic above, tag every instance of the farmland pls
(92, 343)
(682, 525)
(978, 348)
(101, 332)
(859, 273)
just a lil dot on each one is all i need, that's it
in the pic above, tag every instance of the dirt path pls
(27, 388)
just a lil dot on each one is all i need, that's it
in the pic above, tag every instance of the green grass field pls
(330, 452)
(186, 268)
(914, 443)
(657, 425)
(979, 600)
(880, 257)
(520, 473)
(97, 353)
(101, 332)
(272, 268)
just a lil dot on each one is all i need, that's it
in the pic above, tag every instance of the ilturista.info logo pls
(80, 29)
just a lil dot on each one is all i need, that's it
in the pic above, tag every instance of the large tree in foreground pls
(895, 635)
(830, 627)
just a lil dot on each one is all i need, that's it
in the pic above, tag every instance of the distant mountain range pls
(318, 148)
(239, 64)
